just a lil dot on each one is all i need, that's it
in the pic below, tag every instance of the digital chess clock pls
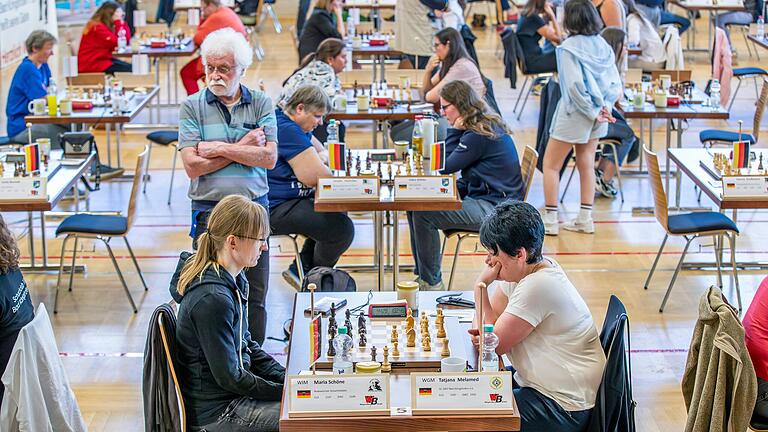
(393, 309)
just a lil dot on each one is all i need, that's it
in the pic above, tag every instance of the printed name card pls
(745, 186)
(462, 393)
(338, 395)
(425, 187)
(23, 188)
(348, 189)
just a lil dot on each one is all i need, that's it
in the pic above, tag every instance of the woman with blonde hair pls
(479, 146)
(228, 381)
(100, 39)
(326, 22)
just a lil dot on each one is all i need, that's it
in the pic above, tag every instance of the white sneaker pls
(584, 226)
(551, 226)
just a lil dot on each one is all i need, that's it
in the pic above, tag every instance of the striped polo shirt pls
(204, 118)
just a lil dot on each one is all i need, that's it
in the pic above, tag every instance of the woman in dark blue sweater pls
(478, 146)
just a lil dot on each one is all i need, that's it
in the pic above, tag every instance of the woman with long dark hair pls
(15, 305)
(537, 21)
(454, 64)
(100, 38)
(479, 146)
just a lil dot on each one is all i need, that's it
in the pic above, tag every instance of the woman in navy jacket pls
(479, 147)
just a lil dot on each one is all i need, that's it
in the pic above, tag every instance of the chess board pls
(378, 334)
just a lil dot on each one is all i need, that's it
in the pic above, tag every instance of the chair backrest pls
(528, 167)
(677, 75)
(86, 79)
(135, 80)
(759, 110)
(171, 366)
(141, 171)
(661, 209)
(520, 56)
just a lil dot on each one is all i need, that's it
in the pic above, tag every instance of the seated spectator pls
(612, 13)
(480, 148)
(30, 81)
(227, 379)
(320, 68)
(15, 305)
(643, 34)
(301, 160)
(325, 22)
(657, 14)
(450, 62)
(756, 338)
(100, 38)
(543, 324)
(537, 20)
(215, 16)
(753, 9)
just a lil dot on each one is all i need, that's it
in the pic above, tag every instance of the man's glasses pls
(223, 69)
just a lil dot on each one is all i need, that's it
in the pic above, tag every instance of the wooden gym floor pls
(102, 341)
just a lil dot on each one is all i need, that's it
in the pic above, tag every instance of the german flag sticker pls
(403, 186)
(425, 391)
(303, 394)
(327, 187)
(730, 185)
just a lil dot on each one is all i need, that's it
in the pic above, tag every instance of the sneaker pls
(424, 286)
(606, 188)
(551, 226)
(292, 278)
(583, 226)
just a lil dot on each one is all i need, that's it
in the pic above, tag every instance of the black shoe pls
(291, 276)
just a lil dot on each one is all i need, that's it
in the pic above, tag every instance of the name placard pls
(23, 189)
(348, 189)
(338, 395)
(745, 186)
(462, 393)
(424, 187)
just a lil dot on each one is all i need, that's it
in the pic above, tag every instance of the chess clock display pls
(395, 309)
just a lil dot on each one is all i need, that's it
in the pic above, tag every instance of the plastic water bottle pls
(417, 138)
(333, 132)
(122, 40)
(490, 342)
(342, 361)
(760, 27)
(350, 27)
(714, 94)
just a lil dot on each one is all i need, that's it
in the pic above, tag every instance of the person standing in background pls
(414, 32)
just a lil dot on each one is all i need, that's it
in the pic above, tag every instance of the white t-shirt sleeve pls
(530, 299)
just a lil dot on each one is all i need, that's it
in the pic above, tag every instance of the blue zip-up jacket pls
(218, 360)
(490, 167)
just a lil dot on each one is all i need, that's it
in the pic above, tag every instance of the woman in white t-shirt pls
(543, 325)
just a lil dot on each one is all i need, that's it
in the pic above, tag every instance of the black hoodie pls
(218, 360)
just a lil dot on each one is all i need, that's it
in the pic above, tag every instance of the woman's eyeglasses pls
(261, 240)
(443, 107)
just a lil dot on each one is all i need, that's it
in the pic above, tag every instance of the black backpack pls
(329, 279)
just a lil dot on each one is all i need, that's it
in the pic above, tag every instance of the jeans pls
(51, 131)
(724, 19)
(760, 414)
(670, 18)
(246, 414)
(328, 235)
(118, 66)
(258, 283)
(425, 237)
(622, 132)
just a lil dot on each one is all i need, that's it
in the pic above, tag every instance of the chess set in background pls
(23, 176)
(741, 172)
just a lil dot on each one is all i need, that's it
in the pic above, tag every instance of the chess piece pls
(348, 321)
(362, 340)
(378, 170)
(385, 365)
(357, 165)
(354, 90)
(393, 338)
(409, 320)
(331, 350)
(411, 337)
(373, 353)
(332, 318)
(425, 343)
(446, 351)
(760, 164)
(395, 351)
(440, 330)
(361, 321)
(368, 161)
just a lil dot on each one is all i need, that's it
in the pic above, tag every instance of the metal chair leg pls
(72, 267)
(119, 273)
(61, 269)
(718, 238)
(520, 94)
(677, 270)
(525, 100)
(459, 239)
(655, 261)
(442, 248)
(135, 263)
(732, 241)
(733, 98)
(173, 171)
(568, 183)
(146, 176)
(299, 264)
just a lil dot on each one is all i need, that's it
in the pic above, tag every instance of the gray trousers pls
(246, 414)
(51, 131)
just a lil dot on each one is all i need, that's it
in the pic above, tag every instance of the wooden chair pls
(689, 226)
(104, 228)
(677, 75)
(169, 358)
(527, 168)
(715, 136)
(86, 79)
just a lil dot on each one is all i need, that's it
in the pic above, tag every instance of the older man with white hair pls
(228, 140)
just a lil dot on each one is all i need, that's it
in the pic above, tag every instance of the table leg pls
(375, 134)
(677, 171)
(642, 143)
(108, 130)
(118, 128)
(385, 131)
(379, 250)
(383, 69)
(42, 237)
(175, 81)
(31, 238)
(168, 79)
(375, 69)
(666, 155)
(395, 250)
(76, 191)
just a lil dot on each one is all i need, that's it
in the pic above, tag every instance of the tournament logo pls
(495, 398)
(371, 400)
(374, 385)
(496, 383)
(445, 182)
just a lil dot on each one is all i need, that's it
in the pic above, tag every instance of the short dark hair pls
(511, 226)
(582, 18)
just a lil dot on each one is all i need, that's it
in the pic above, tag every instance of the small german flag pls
(303, 394)
(315, 339)
(32, 154)
(437, 156)
(336, 159)
(741, 154)
(425, 391)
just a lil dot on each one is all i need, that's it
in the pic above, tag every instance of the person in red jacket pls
(215, 16)
(100, 38)
(756, 338)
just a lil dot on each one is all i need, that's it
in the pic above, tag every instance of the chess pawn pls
(395, 351)
(409, 320)
(393, 337)
(446, 351)
(386, 366)
(373, 353)
(425, 343)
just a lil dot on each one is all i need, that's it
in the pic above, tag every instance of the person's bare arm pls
(551, 31)
(196, 165)
(308, 167)
(428, 81)
(611, 13)
(322, 152)
(511, 330)
(249, 155)
(340, 22)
